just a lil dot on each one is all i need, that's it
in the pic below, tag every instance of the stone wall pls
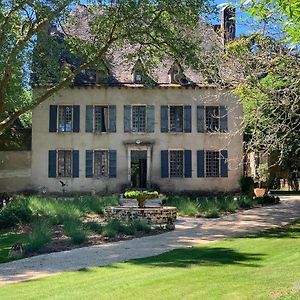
(152, 215)
(15, 171)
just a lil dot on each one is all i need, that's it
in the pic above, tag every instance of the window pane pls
(101, 118)
(139, 118)
(64, 158)
(65, 118)
(212, 163)
(176, 118)
(101, 163)
(212, 118)
(176, 163)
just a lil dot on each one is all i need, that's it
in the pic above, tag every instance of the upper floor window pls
(212, 118)
(100, 118)
(64, 118)
(176, 118)
(139, 118)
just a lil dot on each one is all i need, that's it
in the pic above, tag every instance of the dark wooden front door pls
(138, 169)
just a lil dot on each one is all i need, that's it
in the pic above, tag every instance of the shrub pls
(141, 196)
(109, 232)
(140, 225)
(246, 185)
(93, 226)
(213, 213)
(74, 229)
(246, 202)
(185, 206)
(268, 200)
(39, 236)
(15, 213)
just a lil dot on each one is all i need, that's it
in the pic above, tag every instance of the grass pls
(40, 235)
(210, 207)
(262, 266)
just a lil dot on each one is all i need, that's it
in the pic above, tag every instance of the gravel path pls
(188, 231)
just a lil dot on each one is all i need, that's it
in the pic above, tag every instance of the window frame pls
(218, 175)
(94, 162)
(57, 163)
(145, 119)
(59, 106)
(94, 118)
(169, 117)
(169, 163)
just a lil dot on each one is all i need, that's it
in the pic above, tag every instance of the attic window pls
(102, 73)
(138, 78)
(177, 76)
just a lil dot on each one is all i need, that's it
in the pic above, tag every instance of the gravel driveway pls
(189, 231)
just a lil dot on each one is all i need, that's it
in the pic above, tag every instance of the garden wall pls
(15, 171)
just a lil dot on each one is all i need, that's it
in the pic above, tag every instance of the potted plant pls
(141, 196)
(262, 175)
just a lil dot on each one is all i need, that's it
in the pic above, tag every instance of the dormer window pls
(176, 75)
(138, 78)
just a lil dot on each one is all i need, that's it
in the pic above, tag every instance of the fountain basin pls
(152, 215)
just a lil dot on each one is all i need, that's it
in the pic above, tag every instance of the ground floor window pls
(212, 163)
(176, 163)
(64, 163)
(101, 163)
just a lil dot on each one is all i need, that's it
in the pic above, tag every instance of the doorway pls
(138, 168)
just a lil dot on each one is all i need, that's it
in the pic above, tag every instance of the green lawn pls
(265, 266)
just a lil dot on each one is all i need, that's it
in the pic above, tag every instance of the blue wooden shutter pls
(112, 118)
(187, 163)
(164, 120)
(52, 163)
(200, 163)
(53, 118)
(112, 163)
(187, 118)
(76, 118)
(224, 163)
(164, 163)
(89, 155)
(200, 118)
(75, 163)
(223, 119)
(150, 118)
(89, 118)
(127, 118)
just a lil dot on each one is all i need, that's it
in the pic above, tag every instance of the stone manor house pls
(108, 131)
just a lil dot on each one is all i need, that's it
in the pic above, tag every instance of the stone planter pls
(259, 192)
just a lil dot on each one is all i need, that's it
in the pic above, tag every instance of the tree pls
(285, 12)
(152, 29)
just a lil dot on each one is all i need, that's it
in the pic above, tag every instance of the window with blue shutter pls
(164, 120)
(89, 118)
(75, 163)
(164, 163)
(127, 118)
(112, 163)
(187, 118)
(76, 118)
(188, 163)
(224, 163)
(53, 118)
(89, 154)
(150, 118)
(112, 119)
(200, 163)
(52, 163)
(223, 119)
(200, 118)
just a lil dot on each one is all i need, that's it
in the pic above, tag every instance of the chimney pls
(228, 23)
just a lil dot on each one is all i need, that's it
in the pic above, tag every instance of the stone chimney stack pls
(228, 23)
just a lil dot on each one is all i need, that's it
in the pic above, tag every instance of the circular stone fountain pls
(165, 215)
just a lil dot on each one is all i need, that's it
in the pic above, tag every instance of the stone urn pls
(259, 192)
(141, 196)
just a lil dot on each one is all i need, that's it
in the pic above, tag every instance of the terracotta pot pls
(259, 192)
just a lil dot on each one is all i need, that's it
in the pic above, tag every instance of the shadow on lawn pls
(197, 256)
